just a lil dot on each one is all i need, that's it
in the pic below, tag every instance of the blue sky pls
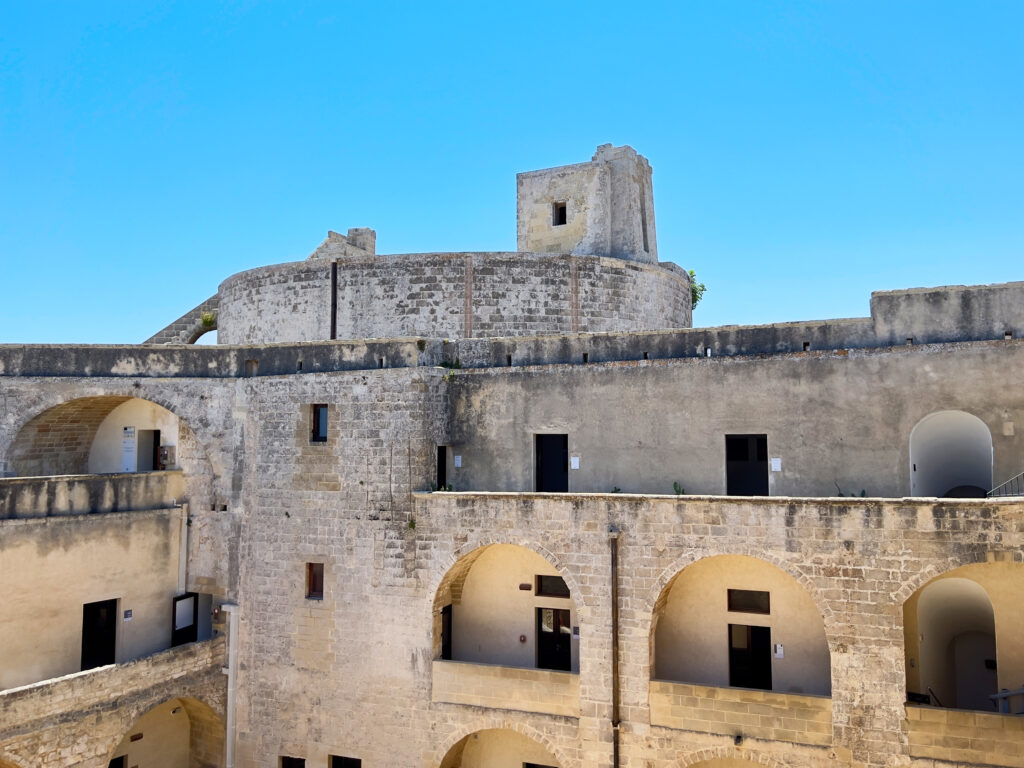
(804, 154)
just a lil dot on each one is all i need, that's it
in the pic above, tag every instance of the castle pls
(510, 510)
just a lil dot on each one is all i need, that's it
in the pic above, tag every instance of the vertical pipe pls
(232, 673)
(183, 548)
(613, 541)
(334, 300)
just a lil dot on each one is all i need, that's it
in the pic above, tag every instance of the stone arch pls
(72, 424)
(206, 729)
(693, 605)
(449, 585)
(499, 723)
(933, 570)
(713, 756)
(658, 592)
(447, 570)
(951, 455)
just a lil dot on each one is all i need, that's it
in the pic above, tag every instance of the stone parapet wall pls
(78, 720)
(89, 494)
(450, 295)
(965, 737)
(488, 685)
(757, 714)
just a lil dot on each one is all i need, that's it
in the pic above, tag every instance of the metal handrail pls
(1012, 487)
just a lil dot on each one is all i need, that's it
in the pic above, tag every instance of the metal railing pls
(1012, 487)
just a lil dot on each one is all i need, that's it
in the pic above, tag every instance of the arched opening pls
(950, 456)
(962, 639)
(180, 733)
(736, 621)
(205, 336)
(505, 604)
(498, 748)
(97, 435)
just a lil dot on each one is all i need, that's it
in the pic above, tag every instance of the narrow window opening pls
(380, 362)
(314, 581)
(807, 346)
(345, 762)
(910, 339)
(446, 633)
(298, 366)
(552, 586)
(559, 214)
(1007, 335)
(442, 467)
(749, 601)
(508, 360)
(251, 366)
(645, 356)
(586, 357)
(643, 216)
(318, 422)
(707, 351)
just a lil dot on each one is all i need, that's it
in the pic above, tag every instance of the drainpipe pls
(613, 541)
(232, 672)
(183, 548)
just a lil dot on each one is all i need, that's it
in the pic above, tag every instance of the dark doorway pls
(99, 633)
(442, 467)
(446, 633)
(746, 465)
(554, 636)
(148, 450)
(750, 657)
(185, 618)
(552, 463)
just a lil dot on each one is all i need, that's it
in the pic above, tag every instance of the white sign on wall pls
(458, 461)
(776, 465)
(128, 456)
(574, 462)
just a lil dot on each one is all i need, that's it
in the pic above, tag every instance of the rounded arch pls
(186, 727)
(951, 626)
(515, 741)
(728, 757)
(950, 456)
(506, 603)
(730, 620)
(658, 591)
(59, 439)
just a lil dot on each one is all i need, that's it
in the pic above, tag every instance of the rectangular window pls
(345, 762)
(314, 581)
(749, 601)
(552, 586)
(318, 433)
(535, 765)
(559, 214)
(293, 762)
(117, 762)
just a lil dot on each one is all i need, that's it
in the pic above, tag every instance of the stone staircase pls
(189, 327)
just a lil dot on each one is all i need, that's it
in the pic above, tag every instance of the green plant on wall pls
(678, 488)
(696, 290)
(208, 319)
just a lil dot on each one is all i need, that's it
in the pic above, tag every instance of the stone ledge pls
(489, 685)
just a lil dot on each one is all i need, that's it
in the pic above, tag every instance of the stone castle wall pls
(451, 295)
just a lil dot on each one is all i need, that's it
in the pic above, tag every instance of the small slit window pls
(749, 601)
(314, 581)
(318, 433)
(559, 214)
(552, 586)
